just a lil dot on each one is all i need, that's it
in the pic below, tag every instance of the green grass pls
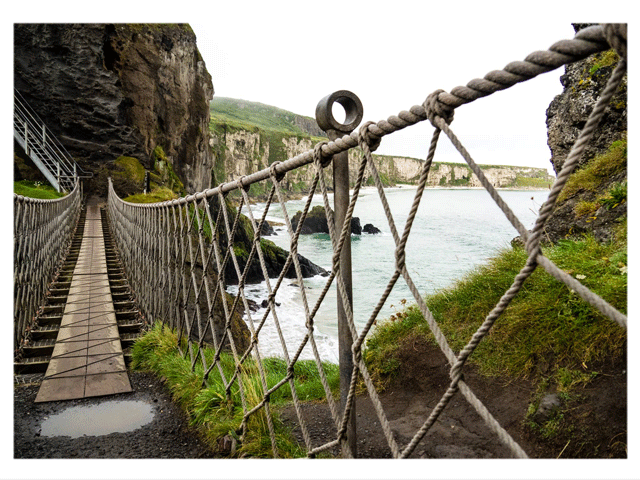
(28, 188)
(601, 60)
(131, 168)
(616, 195)
(216, 414)
(252, 115)
(532, 182)
(545, 322)
(159, 194)
(597, 170)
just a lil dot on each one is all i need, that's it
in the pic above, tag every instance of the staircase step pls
(126, 314)
(56, 300)
(32, 365)
(48, 309)
(128, 339)
(50, 319)
(40, 348)
(59, 292)
(129, 325)
(124, 305)
(44, 332)
(121, 296)
(120, 289)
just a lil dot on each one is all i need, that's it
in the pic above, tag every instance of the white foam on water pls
(291, 318)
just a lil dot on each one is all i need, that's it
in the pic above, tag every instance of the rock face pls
(240, 152)
(583, 83)
(108, 90)
(583, 209)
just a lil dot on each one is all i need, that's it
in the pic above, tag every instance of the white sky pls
(392, 55)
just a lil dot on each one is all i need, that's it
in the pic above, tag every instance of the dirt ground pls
(594, 419)
(596, 415)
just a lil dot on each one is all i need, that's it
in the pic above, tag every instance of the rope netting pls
(175, 252)
(42, 233)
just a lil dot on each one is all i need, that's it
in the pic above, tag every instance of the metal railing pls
(42, 233)
(172, 252)
(43, 148)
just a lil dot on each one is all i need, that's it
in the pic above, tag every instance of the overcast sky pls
(392, 55)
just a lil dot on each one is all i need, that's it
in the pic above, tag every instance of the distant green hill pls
(249, 115)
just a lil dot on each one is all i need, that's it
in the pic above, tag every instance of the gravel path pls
(168, 435)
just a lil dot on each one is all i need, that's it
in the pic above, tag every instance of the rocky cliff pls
(248, 136)
(594, 200)
(111, 90)
(243, 150)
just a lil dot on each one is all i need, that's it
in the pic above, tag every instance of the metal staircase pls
(46, 152)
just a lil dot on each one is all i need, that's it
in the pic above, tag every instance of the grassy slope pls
(545, 322)
(31, 189)
(251, 115)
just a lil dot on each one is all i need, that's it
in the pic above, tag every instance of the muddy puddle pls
(96, 420)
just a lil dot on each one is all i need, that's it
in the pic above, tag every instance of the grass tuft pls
(217, 412)
(598, 169)
(159, 194)
(132, 168)
(28, 188)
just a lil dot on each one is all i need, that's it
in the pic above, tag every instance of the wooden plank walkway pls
(87, 360)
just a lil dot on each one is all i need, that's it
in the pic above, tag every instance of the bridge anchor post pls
(327, 122)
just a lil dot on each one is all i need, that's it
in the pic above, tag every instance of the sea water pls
(454, 231)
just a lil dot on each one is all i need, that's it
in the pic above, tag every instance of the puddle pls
(96, 420)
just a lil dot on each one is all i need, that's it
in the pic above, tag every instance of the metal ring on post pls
(352, 107)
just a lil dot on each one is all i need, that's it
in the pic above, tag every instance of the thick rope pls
(42, 234)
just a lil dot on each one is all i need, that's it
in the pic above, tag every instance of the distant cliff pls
(249, 136)
(111, 90)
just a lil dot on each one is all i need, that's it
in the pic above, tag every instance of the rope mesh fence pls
(42, 233)
(174, 254)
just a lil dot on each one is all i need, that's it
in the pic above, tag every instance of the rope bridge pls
(174, 260)
(42, 233)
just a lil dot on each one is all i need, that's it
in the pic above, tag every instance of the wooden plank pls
(87, 359)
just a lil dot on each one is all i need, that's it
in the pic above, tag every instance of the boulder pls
(370, 229)
(267, 230)
(549, 404)
(567, 114)
(316, 222)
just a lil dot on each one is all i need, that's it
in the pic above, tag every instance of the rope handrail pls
(177, 269)
(42, 233)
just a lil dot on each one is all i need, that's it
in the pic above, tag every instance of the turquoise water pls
(454, 231)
